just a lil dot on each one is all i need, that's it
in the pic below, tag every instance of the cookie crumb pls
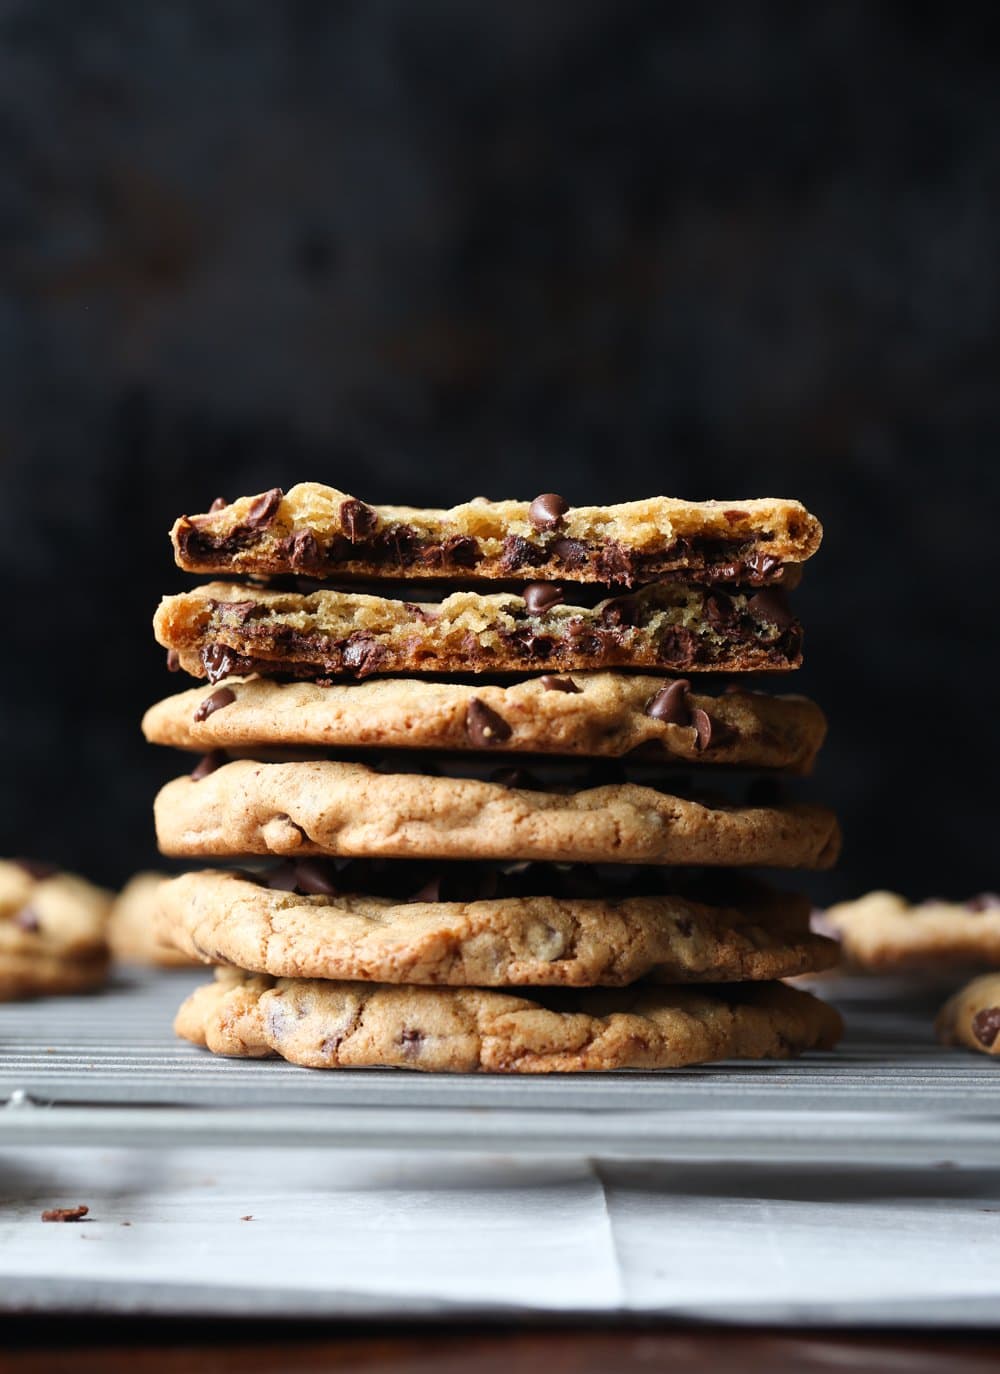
(65, 1213)
(246, 1218)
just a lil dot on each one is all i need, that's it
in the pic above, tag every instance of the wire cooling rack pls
(106, 1069)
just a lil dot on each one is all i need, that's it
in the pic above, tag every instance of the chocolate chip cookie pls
(325, 807)
(52, 931)
(884, 931)
(226, 628)
(319, 532)
(579, 714)
(972, 1016)
(228, 918)
(330, 1025)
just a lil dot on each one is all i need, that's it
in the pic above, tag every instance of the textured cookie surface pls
(586, 714)
(226, 628)
(224, 918)
(52, 931)
(329, 1025)
(972, 1016)
(132, 925)
(324, 807)
(319, 531)
(884, 931)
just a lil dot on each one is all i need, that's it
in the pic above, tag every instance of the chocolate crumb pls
(986, 1026)
(249, 1217)
(557, 684)
(540, 597)
(65, 1213)
(485, 727)
(671, 703)
(222, 696)
(357, 520)
(546, 511)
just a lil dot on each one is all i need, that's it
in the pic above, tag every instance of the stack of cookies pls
(464, 735)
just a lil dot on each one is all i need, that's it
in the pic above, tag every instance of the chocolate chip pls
(570, 552)
(281, 878)
(222, 696)
(984, 901)
(702, 723)
(676, 648)
(27, 920)
(208, 764)
(421, 612)
(263, 509)
(173, 661)
(485, 727)
(218, 661)
(557, 684)
(671, 703)
(761, 564)
(621, 610)
(363, 654)
(616, 564)
(304, 552)
(519, 552)
(315, 878)
(685, 926)
(540, 597)
(236, 612)
(719, 610)
(461, 550)
(546, 511)
(220, 503)
(357, 520)
(35, 868)
(411, 1041)
(734, 517)
(771, 605)
(986, 1026)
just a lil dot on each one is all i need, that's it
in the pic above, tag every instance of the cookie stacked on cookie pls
(460, 733)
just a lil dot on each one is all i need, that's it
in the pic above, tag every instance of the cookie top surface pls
(322, 807)
(226, 628)
(586, 714)
(884, 931)
(226, 918)
(466, 1030)
(972, 1017)
(318, 531)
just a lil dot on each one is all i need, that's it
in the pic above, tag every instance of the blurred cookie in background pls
(132, 934)
(52, 931)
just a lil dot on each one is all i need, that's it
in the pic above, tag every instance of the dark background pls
(430, 250)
